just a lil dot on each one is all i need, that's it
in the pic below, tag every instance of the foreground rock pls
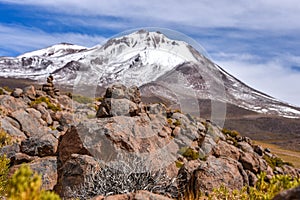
(65, 146)
(292, 194)
(139, 195)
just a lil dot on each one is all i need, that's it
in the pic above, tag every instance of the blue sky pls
(258, 41)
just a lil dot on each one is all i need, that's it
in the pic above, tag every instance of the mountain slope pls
(161, 66)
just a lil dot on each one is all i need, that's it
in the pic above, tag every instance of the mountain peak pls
(141, 58)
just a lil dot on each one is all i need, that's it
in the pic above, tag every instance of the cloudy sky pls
(258, 41)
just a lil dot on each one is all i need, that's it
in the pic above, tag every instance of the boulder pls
(17, 92)
(139, 195)
(146, 195)
(157, 108)
(11, 127)
(215, 172)
(10, 151)
(249, 162)
(119, 91)
(45, 145)
(30, 92)
(223, 149)
(47, 168)
(252, 178)
(73, 172)
(117, 107)
(291, 194)
(30, 122)
(12, 104)
(70, 143)
(45, 115)
(245, 146)
(258, 149)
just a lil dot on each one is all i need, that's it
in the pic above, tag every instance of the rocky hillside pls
(117, 145)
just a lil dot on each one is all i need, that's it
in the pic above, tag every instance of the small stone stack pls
(49, 87)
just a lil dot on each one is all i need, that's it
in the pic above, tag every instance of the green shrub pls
(262, 190)
(4, 163)
(8, 89)
(275, 161)
(1, 91)
(170, 121)
(231, 133)
(27, 186)
(177, 111)
(178, 164)
(189, 153)
(177, 122)
(99, 98)
(5, 139)
(82, 99)
(46, 100)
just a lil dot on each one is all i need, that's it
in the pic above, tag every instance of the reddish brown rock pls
(30, 123)
(223, 149)
(45, 145)
(47, 168)
(72, 173)
(216, 172)
(249, 162)
(70, 143)
(12, 104)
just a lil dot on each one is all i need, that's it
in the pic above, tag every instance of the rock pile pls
(197, 153)
(49, 87)
(28, 117)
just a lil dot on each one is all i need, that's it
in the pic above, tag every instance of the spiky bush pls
(121, 179)
(26, 185)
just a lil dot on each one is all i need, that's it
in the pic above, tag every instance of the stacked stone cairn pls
(49, 87)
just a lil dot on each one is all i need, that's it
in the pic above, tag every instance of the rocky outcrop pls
(66, 145)
(120, 101)
(29, 125)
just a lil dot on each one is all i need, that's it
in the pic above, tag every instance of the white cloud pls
(21, 39)
(272, 77)
(249, 14)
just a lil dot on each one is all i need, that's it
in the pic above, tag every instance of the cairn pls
(49, 87)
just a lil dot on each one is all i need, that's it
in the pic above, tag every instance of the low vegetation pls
(46, 100)
(26, 185)
(289, 156)
(5, 139)
(265, 190)
(189, 153)
(4, 163)
(275, 161)
(231, 133)
(82, 99)
(177, 122)
(121, 179)
(8, 89)
(23, 185)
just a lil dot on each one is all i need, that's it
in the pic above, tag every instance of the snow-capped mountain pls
(146, 59)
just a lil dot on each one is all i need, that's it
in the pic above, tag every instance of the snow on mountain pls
(54, 51)
(142, 58)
